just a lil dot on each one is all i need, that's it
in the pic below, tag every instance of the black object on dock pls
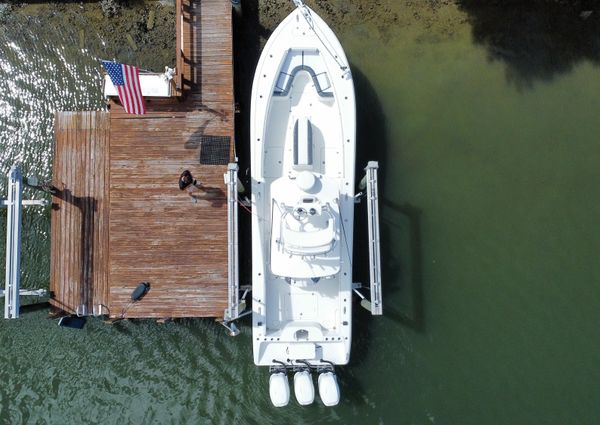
(72, 322)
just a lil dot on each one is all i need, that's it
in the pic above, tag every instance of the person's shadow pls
(214, 195)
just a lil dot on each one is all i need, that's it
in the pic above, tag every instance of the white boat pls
(302, 130)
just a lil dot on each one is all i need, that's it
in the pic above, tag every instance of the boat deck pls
(120, 218)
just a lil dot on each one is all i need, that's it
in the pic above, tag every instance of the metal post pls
(233, 304)
(13, 243)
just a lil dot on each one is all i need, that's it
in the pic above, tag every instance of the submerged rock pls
(5, 10)
(150, 22)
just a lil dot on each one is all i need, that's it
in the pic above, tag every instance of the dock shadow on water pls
(371, 139)
(249, 36)
(538, 40)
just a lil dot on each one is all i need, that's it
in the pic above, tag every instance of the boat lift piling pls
(374, 240)
(235, 303)
(14, 204)
(371, 191)
(233, 283)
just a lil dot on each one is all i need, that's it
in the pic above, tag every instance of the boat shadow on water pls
(401, 252)
(401, 249)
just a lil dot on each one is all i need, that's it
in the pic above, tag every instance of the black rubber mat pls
(214, 150)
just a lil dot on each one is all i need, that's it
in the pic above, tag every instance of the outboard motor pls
(279, 387)
(329, 391)
(304, 389)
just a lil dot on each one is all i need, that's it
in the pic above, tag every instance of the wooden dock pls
(120, 217)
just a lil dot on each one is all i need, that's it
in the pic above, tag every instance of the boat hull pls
(302, 160)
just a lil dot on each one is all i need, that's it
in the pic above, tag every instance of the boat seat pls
(303, 146)
(307, 60)
(321, 81)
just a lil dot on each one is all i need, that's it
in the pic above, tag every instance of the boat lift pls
(235, 303)
(14, 204)
(369, 185)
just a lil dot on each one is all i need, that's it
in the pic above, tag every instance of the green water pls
(491, 248)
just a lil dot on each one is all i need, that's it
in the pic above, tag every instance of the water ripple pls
(41, 72)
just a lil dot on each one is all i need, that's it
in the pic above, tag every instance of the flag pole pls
(145, 71)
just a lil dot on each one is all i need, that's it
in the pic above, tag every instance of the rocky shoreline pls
(143, 31)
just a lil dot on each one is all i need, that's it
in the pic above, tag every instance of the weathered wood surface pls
(204, 56)
(79, 242)
(157, 233)
(154, 232)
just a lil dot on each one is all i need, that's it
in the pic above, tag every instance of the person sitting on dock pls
(187, 181)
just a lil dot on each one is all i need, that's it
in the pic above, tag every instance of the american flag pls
(126, 79)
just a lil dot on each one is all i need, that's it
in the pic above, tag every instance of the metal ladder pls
(374, 240)
(14, 203)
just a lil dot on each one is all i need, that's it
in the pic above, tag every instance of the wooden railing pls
(179, 48)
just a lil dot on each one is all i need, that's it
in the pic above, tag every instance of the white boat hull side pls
(303, 125)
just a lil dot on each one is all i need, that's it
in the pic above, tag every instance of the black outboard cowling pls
(72, 322)
(140, 290)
